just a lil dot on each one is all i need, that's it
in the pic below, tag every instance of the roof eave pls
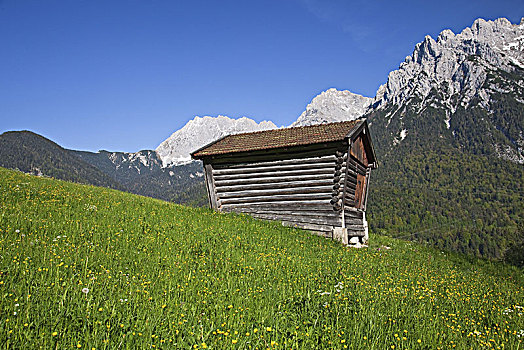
(192, 154)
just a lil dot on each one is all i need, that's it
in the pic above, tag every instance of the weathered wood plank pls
(334, 219)
(353, 170)
(300, 172)
(289, 211)
(355, 222)
(293, 161)
(273, 179)
(340, 179)
(290, 184)
(349, 190)
(358, 149)
(296, 204)
(274, 168)
(368, 176)
(355, 227)
(354, 210)
(287, 197)
(279, 191)
(310, 227)
(210, 186)
(349, 185)
(355, 165)
(329, 221)
(350, 197)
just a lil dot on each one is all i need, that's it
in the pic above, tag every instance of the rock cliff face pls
(201, 131)
(469, 87)
(457, 65)
(333, 106)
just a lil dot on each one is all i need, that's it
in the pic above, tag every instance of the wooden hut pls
(313, 177)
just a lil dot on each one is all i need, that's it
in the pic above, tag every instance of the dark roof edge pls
(192, 154)
(356, 129)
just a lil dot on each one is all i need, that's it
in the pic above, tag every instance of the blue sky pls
(124, 75)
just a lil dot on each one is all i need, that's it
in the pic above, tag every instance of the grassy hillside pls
(85, 267)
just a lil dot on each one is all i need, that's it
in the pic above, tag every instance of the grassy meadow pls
(86, 267)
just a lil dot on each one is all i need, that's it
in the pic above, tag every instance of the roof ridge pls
(295, 127)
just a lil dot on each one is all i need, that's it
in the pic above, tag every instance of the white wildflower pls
(85, 290)
(90, 207)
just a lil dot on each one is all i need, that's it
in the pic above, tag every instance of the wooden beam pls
(340, 179)
(210, 186)
(264, 186)
(297, 172)
(265, 169)
(291, 211)
(345, 188)
(310, 227)
(270, 192)
(296, 160)
(298, 219)
(287, 197)
(296, 204)
(273, 179)
(368, 176)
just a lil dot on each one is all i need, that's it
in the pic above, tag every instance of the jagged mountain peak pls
(456, 64)
(203, 130)
(333, 105)
(459, 85)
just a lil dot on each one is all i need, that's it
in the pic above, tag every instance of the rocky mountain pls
(333, 106)
(457, 65)
(201, 131)
(143, 173)
(480, 69)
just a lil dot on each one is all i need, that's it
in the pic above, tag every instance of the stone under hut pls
(312, 177)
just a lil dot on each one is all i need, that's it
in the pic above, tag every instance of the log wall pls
(306, 192)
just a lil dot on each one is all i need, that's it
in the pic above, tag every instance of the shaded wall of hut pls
(313, 187)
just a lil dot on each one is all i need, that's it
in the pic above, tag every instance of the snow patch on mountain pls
(201, 131)
(333, 106)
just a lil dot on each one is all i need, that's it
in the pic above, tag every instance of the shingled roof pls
(278, 138)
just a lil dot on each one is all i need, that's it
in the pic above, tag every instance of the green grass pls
(166, 276)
